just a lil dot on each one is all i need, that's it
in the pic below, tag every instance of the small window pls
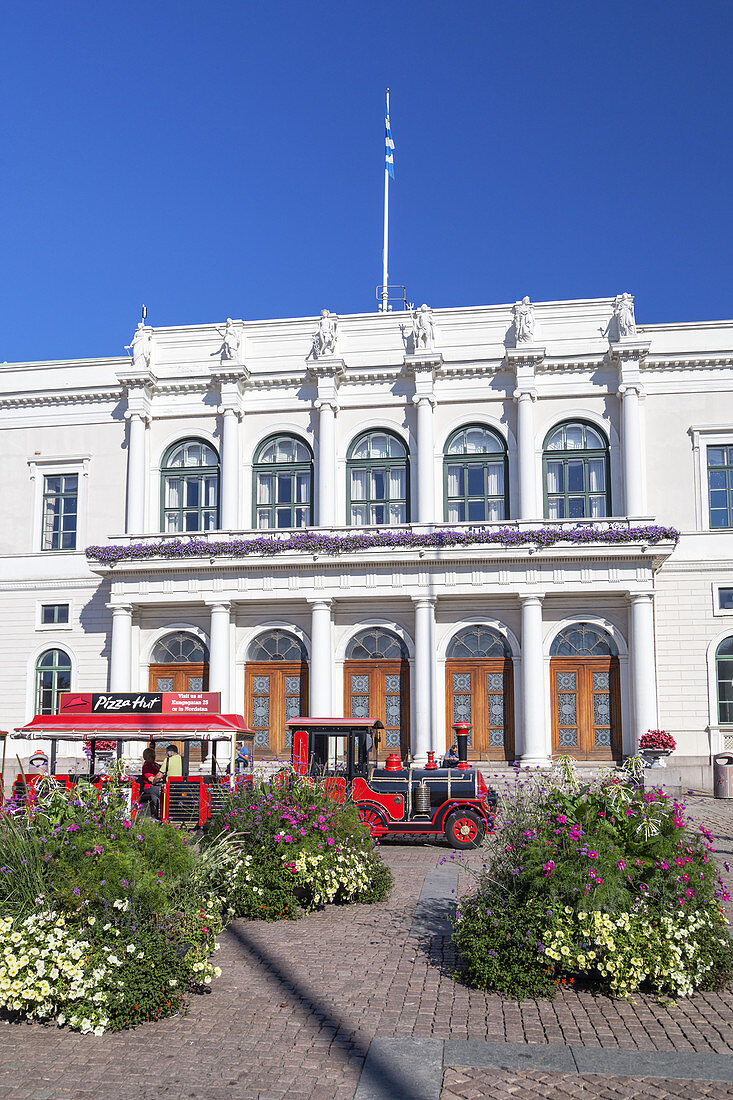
(60, 500)
(180, 648)
(54, 613)
(277, 645)
(720, 486)
(725, 599)
(53, 675)
(376, 644)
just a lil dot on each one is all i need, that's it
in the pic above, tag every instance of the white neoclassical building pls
(471, 513)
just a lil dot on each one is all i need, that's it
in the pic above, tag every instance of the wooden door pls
(380, 689)
(481, 692)
(273, 692)
(181, 678)
(586, 707)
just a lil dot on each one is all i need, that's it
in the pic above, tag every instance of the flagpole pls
(385, 245)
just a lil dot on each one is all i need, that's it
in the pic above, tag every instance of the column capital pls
(319, 601)
(120, 608)
(141, 414)
(428, 397)
(424, 601)
(233, 409)
(218, 605)
(530, 597)
(638, 597)
(628, 388)
(326, 403)
(525, 391)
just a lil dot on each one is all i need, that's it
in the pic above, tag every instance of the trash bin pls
(723, 775)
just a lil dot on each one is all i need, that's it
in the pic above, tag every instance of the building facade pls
(468, 514)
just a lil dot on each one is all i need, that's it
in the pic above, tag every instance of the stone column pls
(631, 443)
(320, 678)
(424, 738)
(136, 474)
(535, 750)
(526, 453)
(326, 464)
(644, 673)
(229, 511)
(219, 657)
(120, 649)
(425, 460)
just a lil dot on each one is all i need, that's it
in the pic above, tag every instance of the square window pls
(54, 613)
(725, 599)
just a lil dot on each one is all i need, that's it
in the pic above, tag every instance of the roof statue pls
(524, 321)
(623, 311)
(327, 335)
(141, 347)
(231, 342)
(423, 329)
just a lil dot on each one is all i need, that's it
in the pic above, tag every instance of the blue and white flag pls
(388, 143)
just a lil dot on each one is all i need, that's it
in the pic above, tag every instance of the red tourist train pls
(395, 800)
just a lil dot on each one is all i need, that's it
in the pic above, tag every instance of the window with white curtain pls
(283, 483)
(576, 468)
(475, 476)
(190, 488)
(378, 483)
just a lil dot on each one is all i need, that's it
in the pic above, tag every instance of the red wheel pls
(465, 829)
(374, 819)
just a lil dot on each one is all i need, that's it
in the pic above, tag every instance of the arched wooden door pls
(275, 689)
(480, 690)
(180, 662)
(585, 694)
(377, 685)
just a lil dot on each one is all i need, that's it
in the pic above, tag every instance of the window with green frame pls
(724, 678)
(720, 486)
(377, 471)
(189, 488)
(53, 675)
(283, 483)
(576, 472)
(475, 476)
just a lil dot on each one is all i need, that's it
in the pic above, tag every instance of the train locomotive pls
(395, 799)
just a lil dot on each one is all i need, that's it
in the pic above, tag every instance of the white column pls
(326, 465)
(135, 518)
(219, 652)
(424, 687)
(533, 684)
(526, 454)
(644, 674)
(120, 650)
(425, 460)
(631, 442)
(230, 470)
(320, 681)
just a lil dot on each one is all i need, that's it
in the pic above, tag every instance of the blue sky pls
(225, 158)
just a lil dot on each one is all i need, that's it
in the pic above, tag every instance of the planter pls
(654, 758)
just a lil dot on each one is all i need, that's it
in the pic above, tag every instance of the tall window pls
(283, 483)
(377, 470)
(720, 486)
(475, 476)
(576, 473)
(60, 500)
(724, 676)
(190, 487)
(53, 675)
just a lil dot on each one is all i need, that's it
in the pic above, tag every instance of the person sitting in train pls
(172, 765)
(152, 777)
(451, 757)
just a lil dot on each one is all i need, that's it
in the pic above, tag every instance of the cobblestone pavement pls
(299, 1003)
(462, 1083)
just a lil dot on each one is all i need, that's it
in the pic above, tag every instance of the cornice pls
(62, 397)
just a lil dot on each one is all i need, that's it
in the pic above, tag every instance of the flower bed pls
(604, 883)
(309, 542)
(106, 922)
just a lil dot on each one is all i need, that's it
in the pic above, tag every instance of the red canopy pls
(133, 727)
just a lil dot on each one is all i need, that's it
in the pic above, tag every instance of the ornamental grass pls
(606, 884)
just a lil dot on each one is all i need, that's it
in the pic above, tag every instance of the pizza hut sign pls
(141, 702)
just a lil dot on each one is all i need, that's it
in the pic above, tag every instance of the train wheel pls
(465, 829)
(374, 819)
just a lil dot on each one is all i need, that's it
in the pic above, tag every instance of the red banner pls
(141, 702)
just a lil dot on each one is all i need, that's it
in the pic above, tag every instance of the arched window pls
(283, 483)
(478, 641)
(724, 677)
(190, 487)
(377, 471)
(179, 648)
(53, 675)
(276, 645)
(577, 472)
(475, 473)
(376, 644)
(583, 640)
